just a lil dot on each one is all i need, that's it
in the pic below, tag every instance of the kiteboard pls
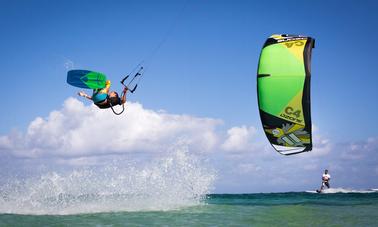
(86, 79)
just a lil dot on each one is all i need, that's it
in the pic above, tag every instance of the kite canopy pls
(283, 87)
(86, 79)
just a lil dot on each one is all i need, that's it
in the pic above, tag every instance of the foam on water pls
(344, 190)
(171, 182)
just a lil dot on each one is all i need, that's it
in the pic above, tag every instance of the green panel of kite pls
(283, 89)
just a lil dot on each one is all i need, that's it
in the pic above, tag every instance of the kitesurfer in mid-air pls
(105, 99)
(325, 180)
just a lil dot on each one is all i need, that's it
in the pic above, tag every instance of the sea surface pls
(337, 208)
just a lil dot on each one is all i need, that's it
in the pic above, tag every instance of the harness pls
(119, 103)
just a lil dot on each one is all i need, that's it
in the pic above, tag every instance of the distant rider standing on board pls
(325, 180)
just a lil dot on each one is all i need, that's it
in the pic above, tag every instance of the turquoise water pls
(270, 209)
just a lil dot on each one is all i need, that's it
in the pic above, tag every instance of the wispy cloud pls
(68, 64)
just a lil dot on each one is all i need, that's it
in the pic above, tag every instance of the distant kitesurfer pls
(325, 180)
(105, 99)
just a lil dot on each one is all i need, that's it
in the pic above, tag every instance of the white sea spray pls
(176, 180)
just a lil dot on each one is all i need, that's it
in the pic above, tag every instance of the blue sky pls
(205, 68)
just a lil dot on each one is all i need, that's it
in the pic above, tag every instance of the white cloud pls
(278, 181)
(247, 168)
(77, 130)
(321, 146)
(372, 143)
(360, 150)
(310, 166)
(239, 139)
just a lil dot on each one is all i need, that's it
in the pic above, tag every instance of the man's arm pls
(123, 98)
(82, 94)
